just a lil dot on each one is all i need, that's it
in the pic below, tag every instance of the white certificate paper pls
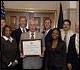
(32, 47)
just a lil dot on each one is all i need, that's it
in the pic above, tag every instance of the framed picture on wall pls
(37, 22)
(13, 20)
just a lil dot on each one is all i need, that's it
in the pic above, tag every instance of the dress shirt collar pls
(6, 38)
(22, 29)
(47, 31)
(31, 33)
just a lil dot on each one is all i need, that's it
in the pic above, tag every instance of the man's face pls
(66, 26)
(32, 27)
(3, 23)
(22, 22)
(47, 24)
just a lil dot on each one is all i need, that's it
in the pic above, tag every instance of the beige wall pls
(51, 5)
(71, 13)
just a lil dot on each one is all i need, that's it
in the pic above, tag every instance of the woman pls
(9, 50)
(55, 53)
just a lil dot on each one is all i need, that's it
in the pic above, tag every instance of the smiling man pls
(66, 32)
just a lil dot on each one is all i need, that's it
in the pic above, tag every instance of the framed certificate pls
(31, 47)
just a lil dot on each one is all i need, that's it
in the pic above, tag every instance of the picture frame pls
(31, 47)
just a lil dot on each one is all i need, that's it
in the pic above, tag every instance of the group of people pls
(60, 47)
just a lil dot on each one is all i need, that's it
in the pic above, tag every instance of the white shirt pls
(22, 29)
(77, 41)
(6, 38)
(69, 34)
(31, 35)
(47, 32)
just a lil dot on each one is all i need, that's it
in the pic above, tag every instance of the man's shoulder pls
(38, 33)
(24, 33)
(73, 36)
(70, 32)
(16, 30)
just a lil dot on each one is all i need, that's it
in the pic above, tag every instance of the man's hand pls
(9, 64)
(69, 66)
(14, 63)
(22, 56)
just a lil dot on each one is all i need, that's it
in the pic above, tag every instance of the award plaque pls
(31, 47)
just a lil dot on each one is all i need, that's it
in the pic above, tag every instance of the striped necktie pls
(23, 29)
(32, 35)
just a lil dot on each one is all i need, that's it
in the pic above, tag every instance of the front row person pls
(9, 53)
(55, 53)
(73, 50)
(31, 62)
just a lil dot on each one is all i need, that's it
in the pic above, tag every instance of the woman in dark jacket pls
(55, 53)
(9, 50)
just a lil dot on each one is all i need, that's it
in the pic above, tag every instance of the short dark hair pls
(47, 18)
(3, 30)
(22, 17)
(67, 20)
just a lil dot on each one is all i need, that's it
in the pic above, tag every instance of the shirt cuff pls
(9, 64)
(16, 61)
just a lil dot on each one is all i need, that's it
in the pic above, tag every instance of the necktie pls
(65, 38)
(32, 35)
(23, 29)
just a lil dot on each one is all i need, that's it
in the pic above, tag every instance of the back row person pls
(66, 32)
(73, 50)
(16, 34)
(22, 28)
(3, 23)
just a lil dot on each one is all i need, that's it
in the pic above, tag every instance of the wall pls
(71, 13)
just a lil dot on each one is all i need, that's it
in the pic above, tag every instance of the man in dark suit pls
(47, 30)
(22, 28)
(73, 50)
(16, 34)
(46, 35)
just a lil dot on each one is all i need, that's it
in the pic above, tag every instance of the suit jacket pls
(55, 57)
(34, 62)
(69, 34)
(47, 37)
(9, 52)
(72, 54)
(16, 35)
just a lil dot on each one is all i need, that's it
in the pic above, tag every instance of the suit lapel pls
(36, 35)
(74, 37)
(19, 30)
